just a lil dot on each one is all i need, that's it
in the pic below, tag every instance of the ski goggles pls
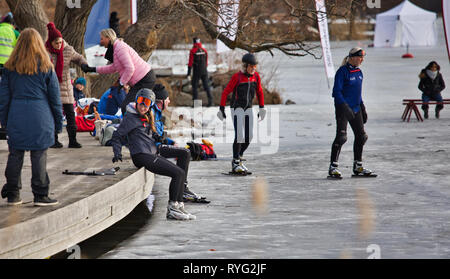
(360, 53)
(143, 100)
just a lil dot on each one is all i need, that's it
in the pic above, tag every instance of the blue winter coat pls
(30, 109)
(159, 124)
(348, 86)
(111, 100)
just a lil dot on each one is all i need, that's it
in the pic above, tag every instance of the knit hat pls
(53, 33)
(195, 40)
(81, 80)
(160, 92)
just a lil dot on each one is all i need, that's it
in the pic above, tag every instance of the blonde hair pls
(150, 118)
(352, 51)
(29, 53)
(110, 34)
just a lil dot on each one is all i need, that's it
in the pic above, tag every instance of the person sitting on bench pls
(431, 84)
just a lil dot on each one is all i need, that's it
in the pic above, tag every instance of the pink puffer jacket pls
(131, 67)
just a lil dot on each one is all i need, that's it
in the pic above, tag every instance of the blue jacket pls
(137, 133)
(30, 109)
(111, 100)
(159, 124)
(348, 87)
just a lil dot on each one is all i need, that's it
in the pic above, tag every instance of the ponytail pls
(150, 118)
(345, 61)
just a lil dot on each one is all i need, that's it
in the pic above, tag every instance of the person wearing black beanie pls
(167, 147)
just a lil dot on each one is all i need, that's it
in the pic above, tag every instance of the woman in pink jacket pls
(134, 72)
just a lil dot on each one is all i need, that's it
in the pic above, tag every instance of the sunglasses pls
(145, 101)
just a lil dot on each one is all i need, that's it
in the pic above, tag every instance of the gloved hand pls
(364, 113)
(262, 113)
(159, 138)
(188, 73)
(221, 113)
(85, 68)
(346, 111)
(117, 158)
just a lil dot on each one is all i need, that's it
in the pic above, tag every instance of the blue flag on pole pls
(97, 21)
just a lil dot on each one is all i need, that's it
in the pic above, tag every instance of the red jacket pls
(244, 89)
(198, 59)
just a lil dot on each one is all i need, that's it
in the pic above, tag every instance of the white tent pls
(405, 24)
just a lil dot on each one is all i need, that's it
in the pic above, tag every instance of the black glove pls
(85, 68)
(346, 111)
(189, 71)
(364, 113)
(159, 138)
(221, 113)
(117, 158)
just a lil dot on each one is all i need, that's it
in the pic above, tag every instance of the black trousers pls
(160, 165)
(182, 154)
(71, 124)
(39, 176)
(243, 132)
(195, 81)
(357, 126)
(148, 81)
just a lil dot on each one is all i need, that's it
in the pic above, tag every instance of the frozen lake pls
(403, 213)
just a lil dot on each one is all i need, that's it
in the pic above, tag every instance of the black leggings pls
(357, 126)
(243, 133)
(182, 154)
(70, 117)
(195, 80)
(160, 165)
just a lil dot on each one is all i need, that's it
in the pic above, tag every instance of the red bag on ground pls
(84, 124)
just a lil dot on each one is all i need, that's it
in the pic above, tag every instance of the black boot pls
(425, 113)
(57, 143)
(73, 139)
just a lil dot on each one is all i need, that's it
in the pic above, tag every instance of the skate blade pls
(372, 175)
(237, 173)
(200, 200)
(334, 177)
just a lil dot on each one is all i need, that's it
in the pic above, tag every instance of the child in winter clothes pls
(80, 84)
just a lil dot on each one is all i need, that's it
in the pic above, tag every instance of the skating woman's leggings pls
(357, 126)
(182, 154)
(243, 130)
(160, 165)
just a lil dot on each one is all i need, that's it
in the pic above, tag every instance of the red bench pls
(411, 105)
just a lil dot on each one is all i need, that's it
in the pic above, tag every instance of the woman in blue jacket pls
(31, 112)
(166, 146)
(349, 108)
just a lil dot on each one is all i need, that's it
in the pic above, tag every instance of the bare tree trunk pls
(72, 22)
(29, 13)
(143, 36)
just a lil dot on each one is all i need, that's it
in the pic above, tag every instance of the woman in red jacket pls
(244, 85)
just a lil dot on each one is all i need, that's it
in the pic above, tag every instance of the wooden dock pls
(87, 204)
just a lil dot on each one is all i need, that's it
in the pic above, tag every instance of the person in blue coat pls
(349, 108)
(111, 100)
(167, 147)
(31, 112)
